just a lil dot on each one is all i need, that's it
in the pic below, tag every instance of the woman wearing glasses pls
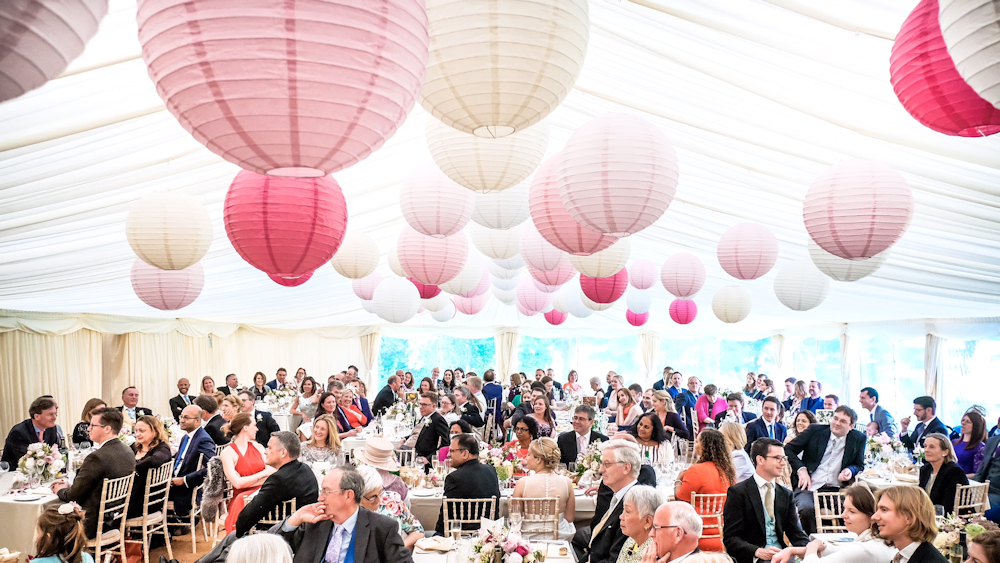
(388, 503)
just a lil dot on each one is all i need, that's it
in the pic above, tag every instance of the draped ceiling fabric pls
(758, 97)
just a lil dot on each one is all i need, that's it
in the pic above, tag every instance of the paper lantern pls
(800, 286)
(927, 82)
(530, 298)
(639, 300)
(470, 305)
(971, 30)
(499, 67)
(605, 290)
(486, 165)
(482, 287)
(285, 226)
(505, 284)
(168, 230)
(433, 204)
(41, 38)
(552, 220)
(431, 260)
(502, 210)
(617, 174)
(396, 300)
(538, 253)
(426, 291)
(857, 208)
(506, 296)
(291, 281)
(682, 275)
(604, 263)
(555, 318)
(167, 290)
(357, 256)
(436, 303)
(636, 319)
(594, 305)
(287, 89)
(512, 263)
(524, 310)
(558, 276)
(642, 274)
(502, 273)
(467, 279)
(446, 313)
(364, 288)
(543, 287)
(747, 251)
(496, 244)
(731, 304)
(569, 300)
(394, 264)
(683, 311)
(368, 306)
(842, 269)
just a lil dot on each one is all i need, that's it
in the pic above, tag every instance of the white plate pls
(25, 497)
(424, 492)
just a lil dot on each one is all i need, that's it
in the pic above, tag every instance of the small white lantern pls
(731, 304)
(800, 286)
(607, 262)
(842, 269)
(495, 244)
(357, 256)
(396, 300)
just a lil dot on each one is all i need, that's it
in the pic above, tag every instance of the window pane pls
(420, 356)
(895, 368)
(819, 360)
(970, 379)
(737, 357)
(598, 356)
(697, 356)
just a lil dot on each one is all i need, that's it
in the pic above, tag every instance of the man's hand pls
(309, 514)
(649, 556)
(58, 486)
(804, 480)
(783, 556)
(846, 475)
(766, 553)
(591, 491)
(177, 481)
(904, 423)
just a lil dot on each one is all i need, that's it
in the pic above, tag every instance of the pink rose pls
(522, 550)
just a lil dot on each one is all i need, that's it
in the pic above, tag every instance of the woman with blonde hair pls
(243, 464)
(324, 442)
(207, 385)
(904, 519)
(800, 392)
(543, 457)
(60, 537)
(736, 440)
(627, 410)
(940, 476)
(230, 406)
(152, 450)
(664, 408)
(81, 432)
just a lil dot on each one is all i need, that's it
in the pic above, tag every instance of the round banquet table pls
(18, 518)
(427, 508)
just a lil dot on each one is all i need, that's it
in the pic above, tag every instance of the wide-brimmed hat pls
(377, 452)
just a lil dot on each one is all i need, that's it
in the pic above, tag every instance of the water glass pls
(939, 511)
(4, 467)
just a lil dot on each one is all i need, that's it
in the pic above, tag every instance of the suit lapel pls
(782, 500)
(317, 551)
(361, 533)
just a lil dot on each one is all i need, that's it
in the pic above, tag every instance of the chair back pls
(113, 509)
(157, 488)
(686, 452)
(219, 448)
(467, 512)
(829, 507)
(971, 499)
(405, 457)
(710, 508)
(538, 515)
(277, 515)
(489, 428)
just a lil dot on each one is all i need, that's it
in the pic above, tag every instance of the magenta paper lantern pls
(682, 275)
(302, 88)
(747, 251)
(470, 305)
(556, 277)
(431, 260)
(291, 282)
(617, 174)
(683, 311)
(605, 290)
(538, 253)
(285, 226)
(529, 298)
(433, 204)
(857, 208)
(426, 291)
(555, 318)
(642, 274)
(364, 288)
(482, 287)
(928, 84)
(635, 319)
(552, 220)
(167, 290)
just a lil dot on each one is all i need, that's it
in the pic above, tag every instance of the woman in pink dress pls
(243, 463)
(709, 405)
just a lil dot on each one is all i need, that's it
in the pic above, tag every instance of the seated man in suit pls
(182, 399)
(266, 425)
(831, 457)
(685, 401)
(292, 480)
(735, 411)
(430, 433)
(337, 529)
(129, 410)
(279, 381)
(603, 541)
(466, 408)
(768, 424)
(925, 410)
(470, 479)
(759, 513)
(571, 444)
(388, 395)
(112, 459)
(191, 461)
(676, 531)
(232, 385)
(212, 418)
(39, 427)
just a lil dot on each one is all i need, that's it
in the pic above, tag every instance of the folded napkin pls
(40, 491)
(436, 543)
(906, 478)
(9, 556)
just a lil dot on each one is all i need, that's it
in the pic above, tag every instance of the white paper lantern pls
(607, 262)
(368, 305)
(394, 264)
(731, 304)
(502, 273)
(446, 313)
(433, 204)
(496, 244)
(357, 256)
(593, 305)
(436, 303)
(505, 284)
(569, 300)
(530, 298)
(971, 30)
(364, 288)
(506, 296)
(502, 210)
(538, 253)
(486, 165)
(499, 67)
(468, 278)
(639, 301)
(800, 286)
(513, 263)
(842, 269)
(396, 300)
(168, 230)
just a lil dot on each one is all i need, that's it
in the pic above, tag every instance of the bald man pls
(182, 399)
(676, 531)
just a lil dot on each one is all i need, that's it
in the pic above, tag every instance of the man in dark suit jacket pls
(232, 385)
(735, 411)
(990, 469)
(365, 537)
(130, 409)
(182, 399)
(280, 380)
(847, 459)
(190, 463)
(767, 425)
(266, 425)
(755, 531)
(603, 541)
(685, 401)
(470, 479)
(387, 396)
(570, 442)
(213, 419)
(433, 433)
(112, 459)
(42, 416)
(925, 410)
(292, 480)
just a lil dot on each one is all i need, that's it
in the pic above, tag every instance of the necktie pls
(873, 417)
(604, 520)
(581, 445)
(180, 452)
(770, 431)
(898, 558)
(187, 399)
(769, 500)
(333, 550)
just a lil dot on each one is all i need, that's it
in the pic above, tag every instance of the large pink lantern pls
(529, 298)
(747, 251)
(302, 88)
(167, 290)
(285, 226)
(538, 253)
(605, 290)
(683, 311)
(433, 204)
(635, 319)
(928, 84)
(857, 208)
(642, 274)
(682, 275)
(558, 276)
(470, 305)
(364, 288)
(617, 174)
(432, 260)
(426, 291)
(291, 282)
(555, 318)
(552, 220)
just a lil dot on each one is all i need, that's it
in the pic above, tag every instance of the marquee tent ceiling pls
(758, 97)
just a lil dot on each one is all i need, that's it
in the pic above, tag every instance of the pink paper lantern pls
(482, 287)
(285, 226)
(529, 298)
(538, 253)
(427, 291)
(167, 290)
(617, 174)
(642, 274)
(605, 290)
(683, 311)
(928, 84)
(291, 282)
(857, 208)
(470, 305)
(555, 318)
(543, 287)
(433, 204)
(747, 251)
(364, 288)
(636, 319)
(556, 277)
(301, 88)
(552, 220)
(682, 275)
(431, 260)
(524, 310)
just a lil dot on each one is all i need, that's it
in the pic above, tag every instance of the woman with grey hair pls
(388, 503)
(260, 548)
(636, 520)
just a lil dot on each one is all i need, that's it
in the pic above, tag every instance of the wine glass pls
(939, 511)
(455, 529)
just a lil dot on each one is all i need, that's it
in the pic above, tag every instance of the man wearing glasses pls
(191, 461)
(470, 478)
(430, 432)
(571, 444)
(676, 531)
(603, 540)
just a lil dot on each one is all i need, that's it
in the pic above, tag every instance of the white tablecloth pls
(427, 508)
(17, 522)
(284, 420)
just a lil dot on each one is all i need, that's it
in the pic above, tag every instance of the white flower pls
(941, 540)
(487, 547)
(514, 558)
(35, 447)
(29, 463)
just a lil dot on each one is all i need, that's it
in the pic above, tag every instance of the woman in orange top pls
(711, 475)
(627, 413)
(525, 431)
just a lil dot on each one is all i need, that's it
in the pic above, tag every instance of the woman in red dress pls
(243, 463)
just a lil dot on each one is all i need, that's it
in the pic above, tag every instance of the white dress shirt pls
(831, 465)
(907, 552)
(582, 443)
(866, 549)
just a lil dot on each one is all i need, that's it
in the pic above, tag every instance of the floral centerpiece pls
(881, 447)
(952, 528)
(502, 459)
(824, 416)
(280, 400)
(41, 463)
(589, 460)
(399, 410)
(172, 427)
(918, 455)
(125, 435)
(509, 543)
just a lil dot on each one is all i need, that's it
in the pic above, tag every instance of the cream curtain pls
(649, 349)
(370, 344)
(781, 349)
(850, 365)
(934, 359)
(505, 343)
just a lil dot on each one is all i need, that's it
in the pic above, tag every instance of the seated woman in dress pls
(230, 407)
(60, 537)
(525, 433)
(654, 446)
(712, 474)
(426, 386)
(457, 427)
(378, 453)
(447, 408)
(243, 464)
(515, 389)
(736, 440)
(709, 405)
(350, 419)
(388, 503)
(904, 518)
(637, 523)
(408, 381)
(543, 457)
(572, 384)
(307, 400)
(971, 445)
(665, 410)
(468, 407)
(324, 443)
(542, 414)
(940, 476)
(598, 391)
(81, 432)
(151, 450)
(259, 388)
(447, 383)
(627, 411)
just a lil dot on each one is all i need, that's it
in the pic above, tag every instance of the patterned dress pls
(392, 505)
(632, 554)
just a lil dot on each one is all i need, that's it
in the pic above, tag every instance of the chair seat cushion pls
(107, 538)
(154, 518)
